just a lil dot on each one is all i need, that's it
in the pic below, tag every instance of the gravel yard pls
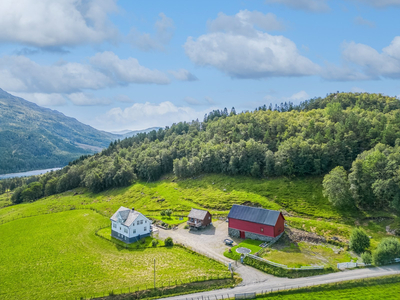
(211, 242)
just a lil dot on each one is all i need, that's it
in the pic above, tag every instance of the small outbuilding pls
(199, 218)
(255, 223)
(129, 225)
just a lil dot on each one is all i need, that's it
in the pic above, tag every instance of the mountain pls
(33, 137)
(130, 133)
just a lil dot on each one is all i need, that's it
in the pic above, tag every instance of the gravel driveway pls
(210, 241)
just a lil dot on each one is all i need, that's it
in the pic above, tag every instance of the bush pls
(162, 213)
(168, 212)
(169, 242)
(186, 226)
(367, 258)
(387, 250)
(359, 240)
(154, 243)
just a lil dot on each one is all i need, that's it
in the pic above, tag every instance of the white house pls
(129, 225)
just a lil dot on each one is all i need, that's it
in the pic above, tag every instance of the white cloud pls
(210, 100)
(85, 99)
(183, 75)
(127, 70)
(262, 55)
(307, 5)
(362, 62)
(244, 22)
(43, 99)
(300, 96)
(380, 3)
(49, 23)
(20, 74)
(364, 22)
(192, 101)
(355, 89)
(164, 27)
(145, 115)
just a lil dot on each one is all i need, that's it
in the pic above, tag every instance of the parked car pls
(228, 242)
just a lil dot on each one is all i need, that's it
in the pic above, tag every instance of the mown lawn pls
(306, 254)
(252, 245)
(58, 256)
(367, 289)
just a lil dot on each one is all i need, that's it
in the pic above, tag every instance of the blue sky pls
(119, 65)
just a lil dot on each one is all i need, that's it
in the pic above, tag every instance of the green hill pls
(33, 137)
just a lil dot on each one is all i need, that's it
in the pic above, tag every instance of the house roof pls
(198, 214)
(127, 216)
(254, 214)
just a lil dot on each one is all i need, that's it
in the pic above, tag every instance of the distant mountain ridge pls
(33, 137)
(129, 133)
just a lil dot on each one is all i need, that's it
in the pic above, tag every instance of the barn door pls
(242, 235)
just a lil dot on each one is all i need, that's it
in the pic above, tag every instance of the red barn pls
(255, 223)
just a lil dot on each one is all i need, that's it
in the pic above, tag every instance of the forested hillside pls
(309, 139)
(33, 137)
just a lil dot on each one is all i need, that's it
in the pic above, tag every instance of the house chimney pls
(133, 208)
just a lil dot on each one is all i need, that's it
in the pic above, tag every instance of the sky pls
(119, 65)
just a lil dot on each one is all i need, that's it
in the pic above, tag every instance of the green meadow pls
(58, 256)
(365, 289)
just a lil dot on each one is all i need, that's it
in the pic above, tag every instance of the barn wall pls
(256, 228)
(280, 225)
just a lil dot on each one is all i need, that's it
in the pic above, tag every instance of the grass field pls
(306, 254)
(253, 245)
(301, 197)
(59, 256)
(369, 289)
(5, 199)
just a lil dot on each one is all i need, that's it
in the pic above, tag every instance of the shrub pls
(154, 243)
(359, 240)
(162, 213)
(168, 212)
(186, 226)
(367, 258)
(169, 242)
(387, 250)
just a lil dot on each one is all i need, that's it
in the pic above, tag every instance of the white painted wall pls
(140, 226)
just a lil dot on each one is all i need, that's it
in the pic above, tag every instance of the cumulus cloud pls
(244, 22)
(86, 99)
(362, 62)
(209, 100)
(236, 47)
(307, 5)
(164, 28)
(192, 101)
(364, 22)
(262, 55)
(43, 99)
(300, 96)
(127, 70)
(49, 23)
(20, 74)
(145, 115)
(183, 75)
(380, 3)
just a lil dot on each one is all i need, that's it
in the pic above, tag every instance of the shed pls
(199, 218)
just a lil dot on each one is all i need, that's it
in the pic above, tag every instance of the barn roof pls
(198, 214)
(128, 216)
(254, 214)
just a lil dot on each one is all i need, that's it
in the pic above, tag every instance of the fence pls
(284, 266)
(245, 296)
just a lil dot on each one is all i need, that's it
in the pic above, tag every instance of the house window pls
(119, 228)
(262, 229)
(138, 222)
(141, 222)
(126, 230)
(115, 225)
(144, 228)
(145, 221)
(134, 231)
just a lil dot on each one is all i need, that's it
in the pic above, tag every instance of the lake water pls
(29, 173)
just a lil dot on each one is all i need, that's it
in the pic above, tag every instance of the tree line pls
(308, 139)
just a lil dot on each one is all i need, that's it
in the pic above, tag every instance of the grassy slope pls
(59, 255)
(301, 197)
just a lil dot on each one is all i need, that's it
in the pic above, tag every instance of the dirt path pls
(210, 242)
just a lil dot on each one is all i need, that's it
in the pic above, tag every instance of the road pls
(286, 283)
(209, 242)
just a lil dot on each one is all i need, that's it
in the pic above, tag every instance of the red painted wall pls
(266, 230)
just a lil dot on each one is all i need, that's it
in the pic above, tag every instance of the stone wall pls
(254, 236)
(127, 240)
